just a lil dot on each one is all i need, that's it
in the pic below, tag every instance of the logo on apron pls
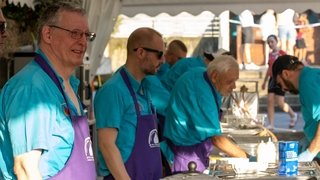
(154, 139)
(65, 109)
(88, 149)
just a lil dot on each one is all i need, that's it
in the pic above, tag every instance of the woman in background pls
(275, 94)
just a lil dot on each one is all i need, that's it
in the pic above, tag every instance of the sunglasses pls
(3, 27)
(158, 53)
(77, 34)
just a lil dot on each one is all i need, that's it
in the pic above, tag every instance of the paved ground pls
(282, 121)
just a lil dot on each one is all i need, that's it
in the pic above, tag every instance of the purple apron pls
(80, 164)
(199, 153)
(144, 162)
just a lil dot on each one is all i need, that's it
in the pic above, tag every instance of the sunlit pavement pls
(282, 121)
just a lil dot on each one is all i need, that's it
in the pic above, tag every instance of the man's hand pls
(26, 165)
(306, 156)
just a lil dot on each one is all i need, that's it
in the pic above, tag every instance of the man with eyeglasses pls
(291, 75)
(125, 115)
(43, 126)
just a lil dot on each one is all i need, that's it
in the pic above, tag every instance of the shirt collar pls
(134, 83)
(73, 80)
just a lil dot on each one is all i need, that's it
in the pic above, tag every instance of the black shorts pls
(301, 44)
(247, 35)
(273, 88)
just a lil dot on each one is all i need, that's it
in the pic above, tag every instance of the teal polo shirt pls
(179, 68)
(32, 117)
(309, 92)
(114, 108)
(164, 68)
(192, 112)
(159, 94)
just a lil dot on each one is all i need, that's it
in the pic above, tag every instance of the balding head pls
(176, 50)
(145, 49)
(142, 37)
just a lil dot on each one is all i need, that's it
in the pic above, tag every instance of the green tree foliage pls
(22, 21)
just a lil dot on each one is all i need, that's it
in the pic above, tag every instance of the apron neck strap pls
(133, 95)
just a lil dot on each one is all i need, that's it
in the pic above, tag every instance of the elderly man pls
(291, 75)
(43, 126)
(192, 123)
(126, 118)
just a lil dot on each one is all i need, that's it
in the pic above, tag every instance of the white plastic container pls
(271, 152)
(262, 152)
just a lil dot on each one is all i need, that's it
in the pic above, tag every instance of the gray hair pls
(50, 15)
(222, 64)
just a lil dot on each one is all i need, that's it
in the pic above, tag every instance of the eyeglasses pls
(3, 27)
(159, 53)
(77, 34)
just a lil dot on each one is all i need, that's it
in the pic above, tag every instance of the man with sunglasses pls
(125, 115)
(291, 75)
(43, 126)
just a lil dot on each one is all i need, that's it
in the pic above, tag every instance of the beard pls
(149, 68)
(290, 87)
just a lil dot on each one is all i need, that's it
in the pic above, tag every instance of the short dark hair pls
(49, 15)
(285, 62)
(272, 36)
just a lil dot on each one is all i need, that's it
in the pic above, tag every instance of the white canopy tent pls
(103, 13)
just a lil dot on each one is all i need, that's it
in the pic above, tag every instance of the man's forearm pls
(225, 145)
(114, 161)
(314, 146)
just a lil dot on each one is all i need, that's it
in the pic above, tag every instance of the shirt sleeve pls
(206, 102)
(311, 96)
(29, 119)
(108, 107)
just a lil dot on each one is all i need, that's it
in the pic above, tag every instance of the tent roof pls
(174, 7)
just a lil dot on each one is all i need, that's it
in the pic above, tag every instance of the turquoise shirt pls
(159, 95)
(114, 108)
(309, 92)
(192, 113)
(164, 68)
(179, 68)
(32, 117)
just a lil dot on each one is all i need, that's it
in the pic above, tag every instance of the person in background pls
(43, 128)
(192, 123)
(301, 46)
(275, 94)
(125, 116)
(286, 30)
(292, 76)
(247, 38)
(176, 50)
(268, 27)
(187, 64)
